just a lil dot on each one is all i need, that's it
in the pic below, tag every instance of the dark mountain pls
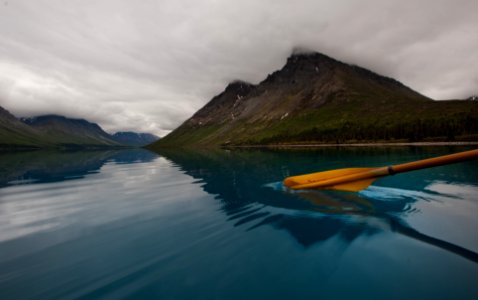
(15, 134)
(317, 99)
(70, 132)
(53, 131)
(134, 139)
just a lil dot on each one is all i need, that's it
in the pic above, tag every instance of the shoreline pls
(404, 144)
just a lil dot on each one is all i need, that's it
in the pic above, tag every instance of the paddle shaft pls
(433, 162)
(391, 170)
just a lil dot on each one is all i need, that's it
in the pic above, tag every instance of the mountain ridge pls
(314, 98)
(56, 131)
(70, 131)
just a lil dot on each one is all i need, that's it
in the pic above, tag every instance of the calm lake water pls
(218, 225)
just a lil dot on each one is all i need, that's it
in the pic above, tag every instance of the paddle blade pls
(355, 186)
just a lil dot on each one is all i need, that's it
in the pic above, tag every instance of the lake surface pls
(219, 225)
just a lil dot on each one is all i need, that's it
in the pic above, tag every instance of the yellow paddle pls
(356, 179)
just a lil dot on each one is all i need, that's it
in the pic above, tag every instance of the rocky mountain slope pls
(317, 99)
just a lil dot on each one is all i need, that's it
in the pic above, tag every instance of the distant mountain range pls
(134, 138)
(70, 132)
(53, 131)
(317, 99)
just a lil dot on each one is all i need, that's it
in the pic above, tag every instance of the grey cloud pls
(148, 65)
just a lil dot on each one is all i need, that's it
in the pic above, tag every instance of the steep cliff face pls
(315, 98)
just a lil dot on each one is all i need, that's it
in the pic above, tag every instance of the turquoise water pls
(219, 225)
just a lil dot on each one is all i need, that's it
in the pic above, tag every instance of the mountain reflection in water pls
(52, 166)
(343, 214)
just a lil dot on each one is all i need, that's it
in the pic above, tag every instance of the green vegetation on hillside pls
(436, 121)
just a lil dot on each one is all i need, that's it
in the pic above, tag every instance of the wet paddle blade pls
(355, 186)
(326, 175)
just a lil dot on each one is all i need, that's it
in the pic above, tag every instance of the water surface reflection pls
(219, 225)
(51, 166)
(246, 185)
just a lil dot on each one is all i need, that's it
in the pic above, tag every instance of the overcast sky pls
(149, 65)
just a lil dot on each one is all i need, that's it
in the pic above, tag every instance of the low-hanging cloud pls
(148, 65)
